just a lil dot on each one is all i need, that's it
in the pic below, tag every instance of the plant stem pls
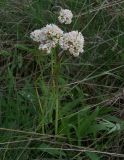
(57, 114)
(55, 74)
(42, 113)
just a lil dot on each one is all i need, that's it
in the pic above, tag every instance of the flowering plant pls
(51, 36)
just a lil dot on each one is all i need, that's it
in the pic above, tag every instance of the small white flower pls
(36, 35)
(65, 16)
(48, 37)
(73, 42)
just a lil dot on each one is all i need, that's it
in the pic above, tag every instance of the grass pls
(77, 114)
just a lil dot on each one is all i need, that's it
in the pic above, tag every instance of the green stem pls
(57, 114)
(55, 73)
(42, 113)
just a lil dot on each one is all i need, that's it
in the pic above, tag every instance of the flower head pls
(36, 35)
(48, 37)
(65, 16)
(73, 42)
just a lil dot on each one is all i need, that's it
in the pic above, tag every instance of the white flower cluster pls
(36, 35)
(48, 37)
(73, 42)
(65, 16)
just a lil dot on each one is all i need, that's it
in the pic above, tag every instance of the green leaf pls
(5, 53)
(92, 156)
(52, 151)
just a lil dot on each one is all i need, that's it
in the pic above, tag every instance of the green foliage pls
(89, 95)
